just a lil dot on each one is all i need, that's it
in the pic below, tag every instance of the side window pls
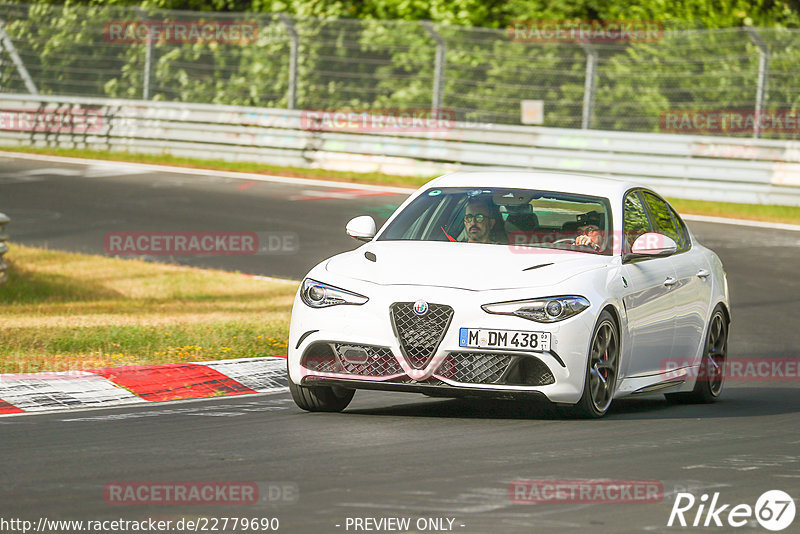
(662, 218)
(634, 219)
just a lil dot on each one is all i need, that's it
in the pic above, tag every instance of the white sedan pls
(574, 289)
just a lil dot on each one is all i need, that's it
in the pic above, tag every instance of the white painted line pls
(135, 405)
(143, 167)
(742, 222)
(337, 194)
(57, 171)
(271, 278)
(330, 183)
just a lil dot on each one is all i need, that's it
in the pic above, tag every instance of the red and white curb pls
(139, 384)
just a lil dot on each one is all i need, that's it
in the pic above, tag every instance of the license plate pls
(504, 339)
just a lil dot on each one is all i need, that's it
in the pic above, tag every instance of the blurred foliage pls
(500, 13)
(372, 54)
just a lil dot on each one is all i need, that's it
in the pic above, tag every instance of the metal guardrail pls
(699, 167)
(3, 247)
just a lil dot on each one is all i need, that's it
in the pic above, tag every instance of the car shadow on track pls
(735, 402)
(465, 409)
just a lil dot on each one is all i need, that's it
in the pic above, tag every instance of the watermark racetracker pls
(75, 120)
(181, 31)
(378, 120)
(737, 369)
(729, 121)
(586, 31)
(200, 243)
(585, 491)
(227, 493)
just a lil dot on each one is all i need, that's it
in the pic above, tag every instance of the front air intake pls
(475, 367)
(352, 359)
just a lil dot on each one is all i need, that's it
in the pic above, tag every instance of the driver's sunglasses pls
(479, 218)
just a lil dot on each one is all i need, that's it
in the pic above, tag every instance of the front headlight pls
(548, 310)
(320, 295)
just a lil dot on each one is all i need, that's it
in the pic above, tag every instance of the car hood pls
(461, 265)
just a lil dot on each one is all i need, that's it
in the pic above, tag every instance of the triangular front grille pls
(420, 335)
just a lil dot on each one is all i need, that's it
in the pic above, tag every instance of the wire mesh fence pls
(738, 81)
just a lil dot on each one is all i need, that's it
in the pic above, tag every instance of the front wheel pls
(601, 370)
(711, 374)
(320, 398)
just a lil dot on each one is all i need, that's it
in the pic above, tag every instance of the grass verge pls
(64, 311)
(757, 212)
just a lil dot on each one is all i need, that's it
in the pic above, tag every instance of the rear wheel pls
(320, 398)
(711, 375)
(601, 370)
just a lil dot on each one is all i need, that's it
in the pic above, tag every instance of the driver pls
(590, 235)
(480, 220)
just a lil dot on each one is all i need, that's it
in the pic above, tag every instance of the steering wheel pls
(572, 242)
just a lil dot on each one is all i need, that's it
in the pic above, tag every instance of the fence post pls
(438, 65)
(294, 45)
(763, 71)
(589, 86)
(148, 66)
(5, 42)
(148, 53)
(3, 247)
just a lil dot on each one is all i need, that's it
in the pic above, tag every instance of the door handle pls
(702, 273)
(670, 281)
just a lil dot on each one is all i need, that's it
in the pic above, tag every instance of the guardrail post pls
(438, 65)
(294, 45)
(3, 247)
(5, 42)
(589, 86)
(763, 71)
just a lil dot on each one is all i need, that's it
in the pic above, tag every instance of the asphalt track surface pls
(388, 455)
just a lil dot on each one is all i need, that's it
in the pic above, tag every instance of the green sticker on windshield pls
(435, 192)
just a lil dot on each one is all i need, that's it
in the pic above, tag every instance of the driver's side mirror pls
(651, 245)
(361, 228)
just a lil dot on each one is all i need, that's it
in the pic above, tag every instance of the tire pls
(320, 398)
(711, 375)
(601, 370)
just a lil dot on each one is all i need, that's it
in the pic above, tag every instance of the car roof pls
(545, 181)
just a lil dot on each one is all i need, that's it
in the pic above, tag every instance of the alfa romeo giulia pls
(573, 289)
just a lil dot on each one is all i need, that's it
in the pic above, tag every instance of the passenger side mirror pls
(651, 245)
(361, 228)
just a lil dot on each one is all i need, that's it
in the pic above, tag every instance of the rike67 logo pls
(774, 510)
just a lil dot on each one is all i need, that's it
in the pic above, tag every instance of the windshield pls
(518, 217)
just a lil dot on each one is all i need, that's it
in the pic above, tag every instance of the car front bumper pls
(322, 343)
